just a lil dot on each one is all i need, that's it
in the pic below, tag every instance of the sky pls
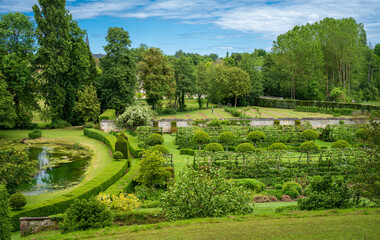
(206, 26)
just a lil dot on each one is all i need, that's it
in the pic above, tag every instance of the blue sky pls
(206, 26)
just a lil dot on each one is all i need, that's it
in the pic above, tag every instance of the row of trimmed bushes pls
(133, 148)
(341, 111)
(109, 114)
(292, 104)
(141, 216)
(106, 138)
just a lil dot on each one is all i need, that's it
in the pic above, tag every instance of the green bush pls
(155, 139)
(309, 135)
(36, 133)
(214, 147)
(309, 147)
(255, 136)
(86, 214)
(250, 183)
(141, 216)
(292, 192)
(58, 124)
(106, 138)
(109, 114)
(152, 172)
(141, 145)
(245, 147)
(89, 125)
(122, 146)
(227, 138)
(17, 201)
(134, 116)
(5, 223)
(204, 194)
(341, 144)
(278, 187)
(160, 148)
(117, 155)
(185, 151)
(361, 134)
(288, 185)
(200, 138)
(122, 135)
(277, 147)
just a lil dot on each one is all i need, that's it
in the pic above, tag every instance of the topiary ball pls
(226, 137)
(160, 148)
(255, 136)
(118, 155)
(17, 201)
(309, 147)
(201, 137)
(214, 147)
(245, 147)
(310, 135)
(35, 134)
(361, 134)
(277, 147)
(155, 139)
(89, 125)
(341, 144)
(288, 185)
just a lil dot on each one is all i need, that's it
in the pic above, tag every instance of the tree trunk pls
(235, 101)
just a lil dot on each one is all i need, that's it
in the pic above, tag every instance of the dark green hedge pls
(141, 216)
(133, 148)
(292, 104)
(106, 138)
(109, 114)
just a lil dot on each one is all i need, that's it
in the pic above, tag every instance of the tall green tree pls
(237, 83)
(8, 114)
(17, 46)
(118, 82)
(5, 214)
(185, 79)
(156, 75)
(87, 107)
(203, 83)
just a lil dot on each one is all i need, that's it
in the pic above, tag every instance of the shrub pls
(122, 135)
(204, 194)
(276, 193)
(58, 124)
(122, 146)
(308, 147)
(134, 116)
(277, 147)
(214, 147)
(160, 148)
(288, 185)
(252, 184)
(361, 134)
(141, 145)
(255, 136)
(245, 147)
(297, 122)
(214, 123)
(35, 134)
(278, 186)
(341, 144)
(5, 212)
(17, 201)
(169, 110)
(117, 155)
(292, 192)
(89, 125)
(309, 135)
(86, 214)
(121, 203)
(148, 193)
(200, 138)
(152, 171)
(155, 139)
(109, 114)
(227, 138)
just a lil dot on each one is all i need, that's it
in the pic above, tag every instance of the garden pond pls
(58, 166)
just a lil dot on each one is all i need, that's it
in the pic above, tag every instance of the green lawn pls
(102, 156)
(330, 224)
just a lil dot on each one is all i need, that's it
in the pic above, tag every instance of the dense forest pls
(47, 66)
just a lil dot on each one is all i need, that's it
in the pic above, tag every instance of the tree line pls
(47, 66)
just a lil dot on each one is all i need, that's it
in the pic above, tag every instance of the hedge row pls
(292, 104)
(133, 148)
(106, 138)
(341, 111)
(141, 216)
(109, 114)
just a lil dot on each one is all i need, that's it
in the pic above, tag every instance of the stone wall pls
(108, 125)
(30, 225)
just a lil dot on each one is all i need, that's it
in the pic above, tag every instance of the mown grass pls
(330, 224)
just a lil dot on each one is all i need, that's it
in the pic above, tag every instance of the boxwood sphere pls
(245, 147)
(155, 139)
(17, 201)
(309, 134)
(201, 137)
(161, 148)
(255, 136)
(214, 147)
(341, 144)
(277, 147)
(309, 146)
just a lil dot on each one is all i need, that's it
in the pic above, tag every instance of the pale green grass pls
(102, 155)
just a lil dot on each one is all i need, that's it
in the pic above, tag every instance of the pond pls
(58, 166)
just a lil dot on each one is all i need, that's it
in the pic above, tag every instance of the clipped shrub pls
(341, 144)
(36, 133)
(5, 212)
(277, 147)
(292, 192)
(17, 201)
(117, 155)
(200, 138)
(152, 171)
(141, 145)
(309, 135)
(250, 183)
(245, 147)
(89, 125)
(160, 148)
(109, 114)
(361, 134)
(255, 136)
(308, 147)
(86, 214)
(288, 185)
(214, 147)
(227, 138)
(155, 139)
(122, 146)
(122, 135)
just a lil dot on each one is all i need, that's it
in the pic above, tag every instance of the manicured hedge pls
(133, 148)
(106, 138)
(141, 216)
(186, 151)
(109, 114)
(292, 104)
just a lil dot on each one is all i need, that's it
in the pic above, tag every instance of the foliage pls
(245, 147)
(108, 114)
(59, 123)
(213, 147)
(17, 201)
(237, 83)
(236, 113)
(85, 214)
(160, 148)
(202, 194)
(278, 147)
(251, 184)
(106, 138)
(87, 106)
(325, 194)
(118, 155)
(361, 134)
(121, 203)
(342, 144)
(201, 138)
(5, 212)
(36, 133)
(184, 77)
(155, 139)
(122, 146)
(8, 115)
(89, 125)
(309, 147)
(227, 138)
(255, 136)
(310, 135)
(152, 172)
(118, 83)
(134, 116)
(288, 185)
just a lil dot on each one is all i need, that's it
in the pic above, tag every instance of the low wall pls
(30, 225)
(108, 125)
